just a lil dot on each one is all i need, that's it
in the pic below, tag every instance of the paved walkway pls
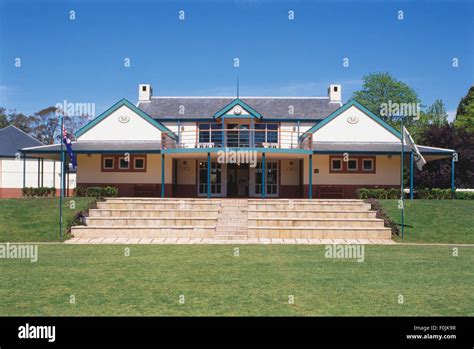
(204, 241)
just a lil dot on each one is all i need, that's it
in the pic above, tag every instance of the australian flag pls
(68, 143)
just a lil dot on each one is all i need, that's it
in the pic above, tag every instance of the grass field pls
(435, 221)
(258, 282)
(35, 219)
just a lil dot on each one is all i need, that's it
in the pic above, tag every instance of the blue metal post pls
(310, 178)
(252, 133)
(208, 175)
(402, 195)
(61, 185)
(411, 176)
(162, 175)
(224, 143)
(453, 189)
(24, 170)
(264, 173)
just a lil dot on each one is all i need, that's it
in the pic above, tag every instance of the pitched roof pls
(13, 139)
(374, 147)
(313, 108)
(101, 146)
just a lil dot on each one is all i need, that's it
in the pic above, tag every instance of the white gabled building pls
(299, 146)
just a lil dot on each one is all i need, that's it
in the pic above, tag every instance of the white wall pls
(365, 129)
(111, 128)
(12, 174)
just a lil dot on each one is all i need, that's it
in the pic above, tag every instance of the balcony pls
(238, 138)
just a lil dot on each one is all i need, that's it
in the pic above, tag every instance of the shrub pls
(80, 217)
(381, 214)
(375, 193)
(97, 192)
(464, 195)
(39, 192)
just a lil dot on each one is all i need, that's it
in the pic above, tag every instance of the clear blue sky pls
(83, 60)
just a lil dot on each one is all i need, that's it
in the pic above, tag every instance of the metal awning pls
(389, 148)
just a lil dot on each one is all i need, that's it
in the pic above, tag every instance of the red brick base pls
(131, 189)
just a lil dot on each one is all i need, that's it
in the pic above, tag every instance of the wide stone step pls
(165, 213)
(164, 201)
(140, 232)
(318, 233)
(319, 222)
(231, 237)
(311, 214)
(250, 201)
(309, 206)
(156, 206)
(150, 222)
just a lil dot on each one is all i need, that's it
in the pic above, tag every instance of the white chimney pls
(334, 93)
(145, 92)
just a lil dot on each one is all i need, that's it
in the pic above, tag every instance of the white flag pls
(419, 159)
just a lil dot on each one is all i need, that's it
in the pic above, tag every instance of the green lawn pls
(258, 282)
(35, 219)
(435, 221)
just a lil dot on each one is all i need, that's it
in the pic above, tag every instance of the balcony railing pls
(238, 138)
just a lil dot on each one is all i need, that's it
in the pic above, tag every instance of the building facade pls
(281, 147)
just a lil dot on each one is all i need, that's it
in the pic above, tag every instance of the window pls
(352, 165)
(118, 163)
(210, 133)
(123, 163)
(143, 88)
(265, 133)
(139, 163)
(368, 165)
(108, 163)
(355, 164)
(336, 164)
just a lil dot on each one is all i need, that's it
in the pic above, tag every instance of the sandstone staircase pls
(232, 219)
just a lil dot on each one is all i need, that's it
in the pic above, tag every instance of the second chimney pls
(334, 94)
(144, 92)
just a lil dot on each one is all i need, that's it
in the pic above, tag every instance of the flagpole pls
(402, 155)
(61, 189)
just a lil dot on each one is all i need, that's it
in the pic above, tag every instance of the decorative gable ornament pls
(352, 120)
(124, 119)
(238, 110)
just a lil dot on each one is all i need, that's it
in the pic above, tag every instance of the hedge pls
(424, 193)
(38, 192)
(381, 194)
(96, 192)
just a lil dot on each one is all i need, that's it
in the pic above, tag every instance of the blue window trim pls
(253, 113)
(342, 109)
(135, 109)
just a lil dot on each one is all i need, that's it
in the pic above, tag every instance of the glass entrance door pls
(216, 178)
(271, 178)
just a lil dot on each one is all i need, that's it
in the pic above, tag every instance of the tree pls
(3, 118)
(465, 112)
(380, 89)
(434, 115)
(437, 173)
(22, 121)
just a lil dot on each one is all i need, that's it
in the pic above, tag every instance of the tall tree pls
(465, 112)
(434, 115)
(380, 89)
(437, 173)
(3, 118)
